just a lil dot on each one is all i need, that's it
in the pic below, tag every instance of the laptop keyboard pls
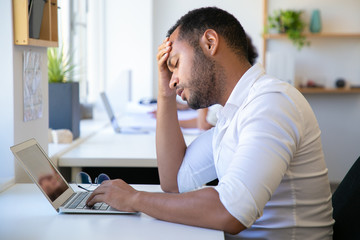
(80, 203)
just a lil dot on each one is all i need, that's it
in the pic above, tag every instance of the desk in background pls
(109, 149)
(26, 214)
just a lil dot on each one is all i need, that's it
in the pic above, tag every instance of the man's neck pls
(234, 72)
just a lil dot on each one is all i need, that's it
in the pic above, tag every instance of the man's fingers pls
(164, 43)
(164, 49)
(97, 192)
(95, 199)
(163, 53)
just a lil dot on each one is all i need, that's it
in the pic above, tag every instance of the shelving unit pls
(315, 35)
(329, 90)
(49, 30)
(322, 35)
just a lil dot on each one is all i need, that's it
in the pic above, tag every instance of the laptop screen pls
(52, 184)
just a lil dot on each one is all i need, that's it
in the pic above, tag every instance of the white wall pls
(38, 128)
(6, 96)
(128, 45)
(339, 118)
(12, 127)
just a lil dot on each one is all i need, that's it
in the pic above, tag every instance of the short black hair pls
(193, 25)
(252, 52)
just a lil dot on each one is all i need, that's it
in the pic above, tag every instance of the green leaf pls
(289, 22)
(60, 67)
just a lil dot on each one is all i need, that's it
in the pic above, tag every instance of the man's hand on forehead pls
(165, 74)
(168, 62)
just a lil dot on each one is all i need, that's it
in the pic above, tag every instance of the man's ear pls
(209, 42)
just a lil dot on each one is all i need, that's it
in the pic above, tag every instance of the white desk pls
(26, 214)
(109, 149)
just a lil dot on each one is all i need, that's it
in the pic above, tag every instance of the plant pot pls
(64, 107)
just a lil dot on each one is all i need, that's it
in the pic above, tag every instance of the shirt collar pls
(241, 90)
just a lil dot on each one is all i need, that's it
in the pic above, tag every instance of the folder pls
(36, 9)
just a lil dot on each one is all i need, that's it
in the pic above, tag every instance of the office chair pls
(346, 205)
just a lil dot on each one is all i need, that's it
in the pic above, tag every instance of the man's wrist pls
(166, 97)
(136, 201)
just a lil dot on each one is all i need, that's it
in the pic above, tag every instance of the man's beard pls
(207, 81)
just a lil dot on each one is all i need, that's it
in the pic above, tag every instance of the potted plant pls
(64, 105)
(290, 23)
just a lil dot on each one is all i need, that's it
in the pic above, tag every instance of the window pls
(108, 39)
(80, 24)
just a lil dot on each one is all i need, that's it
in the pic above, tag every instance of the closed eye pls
(176, 64)
(172, 66)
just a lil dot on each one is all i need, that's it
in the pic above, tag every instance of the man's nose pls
(174, 81)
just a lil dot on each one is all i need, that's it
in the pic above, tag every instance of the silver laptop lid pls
(42, 171)
(107, 105)
(110, 112)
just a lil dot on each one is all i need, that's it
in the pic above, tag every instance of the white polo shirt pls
(266, 152)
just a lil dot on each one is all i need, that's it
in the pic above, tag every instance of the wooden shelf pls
(315, 35)
(41, 43)
(329, 90)
(49, 29)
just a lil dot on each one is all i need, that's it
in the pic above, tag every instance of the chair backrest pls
(346, 205)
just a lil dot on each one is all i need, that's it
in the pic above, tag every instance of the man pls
(265, 148)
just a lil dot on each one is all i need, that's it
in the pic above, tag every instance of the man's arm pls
(170, 143)
(201, 208)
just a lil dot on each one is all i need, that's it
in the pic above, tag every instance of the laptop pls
(52, 184)
(114, 121)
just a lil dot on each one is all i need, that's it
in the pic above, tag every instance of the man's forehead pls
(178, 42)
(178, 45)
